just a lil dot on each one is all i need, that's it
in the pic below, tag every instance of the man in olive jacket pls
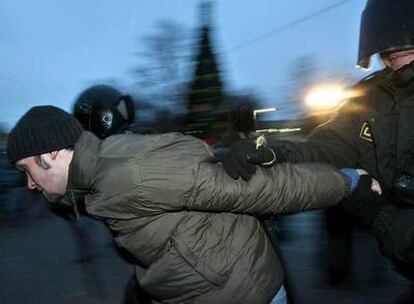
(190, 227)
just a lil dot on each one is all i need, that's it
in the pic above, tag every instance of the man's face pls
(396, 60)
(45, 173)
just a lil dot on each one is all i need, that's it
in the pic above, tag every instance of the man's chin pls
(52, 198)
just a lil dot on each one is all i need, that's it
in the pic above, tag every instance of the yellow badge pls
(366, 132)
(260, 141)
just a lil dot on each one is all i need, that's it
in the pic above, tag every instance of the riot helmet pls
(104, 111)
(386, 26)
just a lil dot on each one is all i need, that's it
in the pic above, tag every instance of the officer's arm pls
(280, 189)
(332, 142)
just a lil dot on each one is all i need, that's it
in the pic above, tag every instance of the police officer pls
(105, 111)
(242, 124)
(373, 131)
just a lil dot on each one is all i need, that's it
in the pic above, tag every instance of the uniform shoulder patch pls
(365, 132)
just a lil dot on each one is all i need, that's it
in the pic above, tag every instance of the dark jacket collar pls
(82, 169)
(400, 83)
(381, 92)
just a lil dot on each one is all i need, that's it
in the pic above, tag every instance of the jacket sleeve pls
(177, 174)
(282, 189)
(333, 142)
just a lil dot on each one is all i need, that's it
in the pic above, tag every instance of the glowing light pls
(266, 110)
(328, 98)
(281, 130)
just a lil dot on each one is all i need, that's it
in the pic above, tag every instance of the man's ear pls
(53, 155)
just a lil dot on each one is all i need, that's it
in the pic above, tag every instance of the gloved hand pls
(363, 203)
(243, 157)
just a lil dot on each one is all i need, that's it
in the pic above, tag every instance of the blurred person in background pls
(104, 111)
(242, 125)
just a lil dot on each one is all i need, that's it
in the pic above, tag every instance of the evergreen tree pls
(205, 93)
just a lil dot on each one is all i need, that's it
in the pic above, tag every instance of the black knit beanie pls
(41, 130)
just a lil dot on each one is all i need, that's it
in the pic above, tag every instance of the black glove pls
(366, 205)
(242, 157)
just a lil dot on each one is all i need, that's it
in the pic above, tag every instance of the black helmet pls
(103, 110)
(386, 25)
(242, 117)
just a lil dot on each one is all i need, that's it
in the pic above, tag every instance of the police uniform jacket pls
(373, 131)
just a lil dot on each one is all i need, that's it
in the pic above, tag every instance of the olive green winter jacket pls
(190, 225)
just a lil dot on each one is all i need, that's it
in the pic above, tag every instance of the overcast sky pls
(51, 50)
